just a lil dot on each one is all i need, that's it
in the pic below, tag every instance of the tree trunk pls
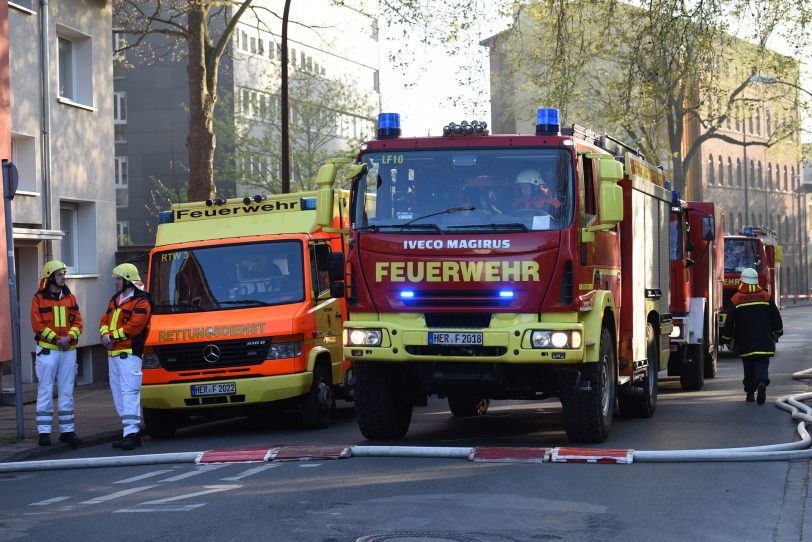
(201, 141)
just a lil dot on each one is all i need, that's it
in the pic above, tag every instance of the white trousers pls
(125, 383)
(59, 366)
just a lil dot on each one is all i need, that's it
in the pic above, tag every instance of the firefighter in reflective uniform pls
(534, 192)
(57, 324)
(123, 329)
(753, 325)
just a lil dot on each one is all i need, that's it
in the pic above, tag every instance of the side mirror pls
(708, 228)
(610, 204)
(336, 266)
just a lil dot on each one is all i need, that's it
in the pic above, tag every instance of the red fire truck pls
(487, 267)
(697, 257)
(758, 248)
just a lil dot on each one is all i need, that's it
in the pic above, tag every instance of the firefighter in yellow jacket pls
(123, 329)
(57, 324)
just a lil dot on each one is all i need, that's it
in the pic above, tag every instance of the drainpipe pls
(45, 142)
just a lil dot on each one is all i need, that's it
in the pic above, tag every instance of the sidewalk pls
(96, 423)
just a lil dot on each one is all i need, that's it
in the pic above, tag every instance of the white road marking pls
(249, 472)
(199, 470)
(116, 495)
(304, 465)
(209, 490)
(176, 508)
(143, 476)
(49, 501)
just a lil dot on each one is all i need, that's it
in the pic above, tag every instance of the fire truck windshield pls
(486, 189)
(741, 253)
(227, 277)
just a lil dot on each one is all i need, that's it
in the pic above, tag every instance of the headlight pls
(556, 339)
(676, 332)
(362, 337)
(285, 350)
(150, 361)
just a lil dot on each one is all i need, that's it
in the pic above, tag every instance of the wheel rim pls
(607, 388)
(325, 398)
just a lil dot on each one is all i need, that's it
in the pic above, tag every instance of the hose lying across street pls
(799, 449)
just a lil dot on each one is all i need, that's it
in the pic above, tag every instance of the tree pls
(650, 72)
(205, 29)
(328, 117)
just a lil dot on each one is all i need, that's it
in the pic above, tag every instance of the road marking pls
(49, 501)
(198, 470)
(249, 472)
(175, 508)
(117, 494)
(304, 465)
(209, 490)
(143, 476)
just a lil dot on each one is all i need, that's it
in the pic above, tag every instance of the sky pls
(425, 106)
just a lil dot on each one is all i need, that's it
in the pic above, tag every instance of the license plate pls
(221, 388)
(455, 338)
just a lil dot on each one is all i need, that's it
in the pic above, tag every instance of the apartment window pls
(254, 45)
(120, 116)
(121, 182)
(75, 66)
(24, 156)
(244, 46)
(78, 224)
(123, 233)
(260, 46)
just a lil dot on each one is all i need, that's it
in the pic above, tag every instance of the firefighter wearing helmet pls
(57, 325)
(123, 329)
(534, 192)
(753, 326)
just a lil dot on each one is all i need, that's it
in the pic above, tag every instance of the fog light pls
(559, 339)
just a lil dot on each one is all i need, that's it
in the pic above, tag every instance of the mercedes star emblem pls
(211, 353)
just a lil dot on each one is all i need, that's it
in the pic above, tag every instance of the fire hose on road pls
(799, 449)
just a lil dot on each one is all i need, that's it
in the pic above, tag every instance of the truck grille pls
(214, 354)
(456, 350)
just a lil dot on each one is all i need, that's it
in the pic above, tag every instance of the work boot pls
(751, 397)
(117, 444)
(44, 439)
(761, 393)
(70, 438)
(130, 442)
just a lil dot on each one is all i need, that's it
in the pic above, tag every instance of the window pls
(123, 233)
(729, 171)
(319, 268)
(711, 177)
(27, 4)
(721, 171)
(760, 175)
(758, 121)
(253, 45)
(120, 116)
(738, 172)
(244, 37)
(374, 29)
(122, 190)
(793, 180)
(785, 178)
(78, 223)
(750, 123)
(24, 156)
(769, 124)
(75, 66)
(752, 178)
(769, 176)
(739, 223)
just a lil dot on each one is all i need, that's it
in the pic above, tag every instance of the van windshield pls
(741, 253)
(227, 277)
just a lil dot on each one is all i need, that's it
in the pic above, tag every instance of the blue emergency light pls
(166, 217)
(388, 125)
(748, 230)
(407, 294)
(506, 294)
(675, 198)
(547, 121)
(308, 204)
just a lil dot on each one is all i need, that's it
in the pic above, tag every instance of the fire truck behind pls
(487, 267)
(757, 248)
(248, 306)
(697, 258)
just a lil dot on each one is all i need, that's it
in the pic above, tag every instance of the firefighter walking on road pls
(124, 328)
(57, 324)
(753, 325)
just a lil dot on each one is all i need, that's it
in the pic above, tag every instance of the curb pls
(37, 452)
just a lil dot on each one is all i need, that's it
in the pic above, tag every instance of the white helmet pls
(749, 276)
(529, 176)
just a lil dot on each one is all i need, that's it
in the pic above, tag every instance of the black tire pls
(588, 414)
(692, 373)
(464, 406)
(317, 404)
(641, 401)
(160, 423)
(711, 355)
(383, 406)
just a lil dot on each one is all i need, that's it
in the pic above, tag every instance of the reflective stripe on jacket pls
(55, 315)
(753, 322)
(127, 323)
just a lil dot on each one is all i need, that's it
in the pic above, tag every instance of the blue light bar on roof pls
(547, 121)
(165, 217)
(308, 204)
(388, 125)
(674, 197)
(748, 230)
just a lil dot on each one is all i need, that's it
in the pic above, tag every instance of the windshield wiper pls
(508, 226)
(450, 210)
(404, 227)
(255, 302)
(176, 306)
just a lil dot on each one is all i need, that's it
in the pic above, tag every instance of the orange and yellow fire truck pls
(757, 248)
(697, 258)
(248, 307)
(486, 267)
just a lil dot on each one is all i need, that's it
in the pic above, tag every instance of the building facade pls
(62, 144)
